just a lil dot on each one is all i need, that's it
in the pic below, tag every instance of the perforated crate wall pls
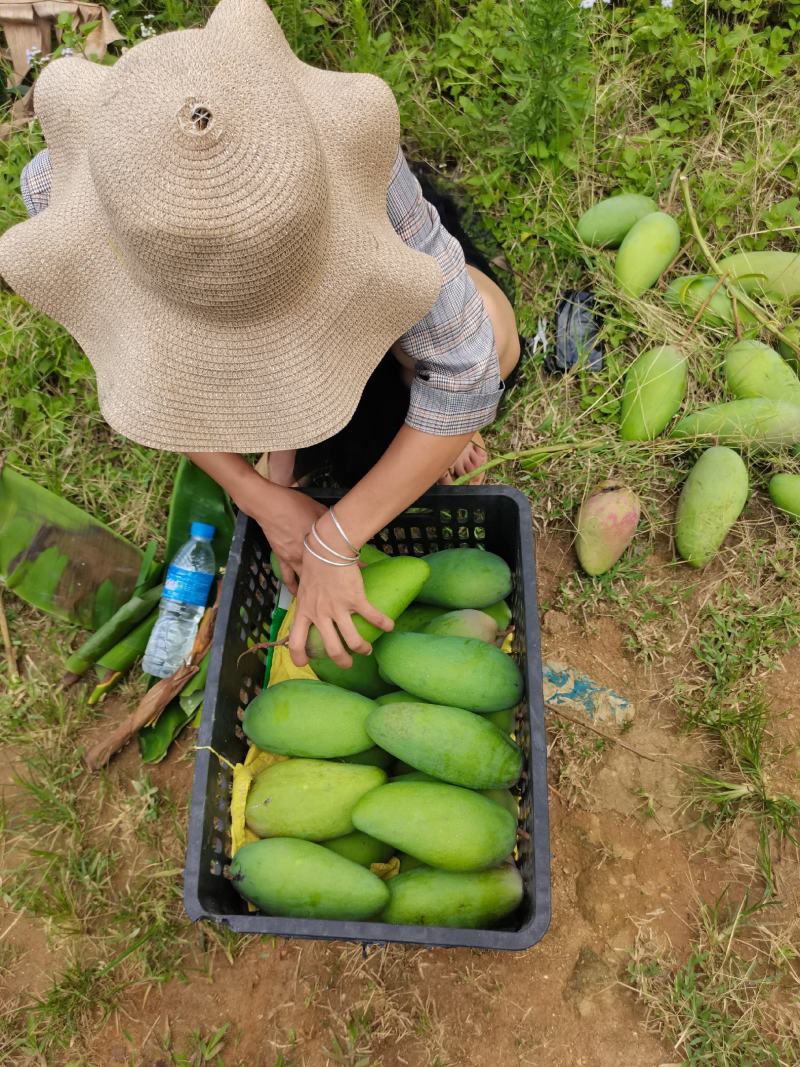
(493, 517)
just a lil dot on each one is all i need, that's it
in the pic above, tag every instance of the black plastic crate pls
(495, 517)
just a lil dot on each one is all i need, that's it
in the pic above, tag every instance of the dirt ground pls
(625, 855)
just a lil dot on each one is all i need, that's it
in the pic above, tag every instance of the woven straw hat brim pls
(262, 366)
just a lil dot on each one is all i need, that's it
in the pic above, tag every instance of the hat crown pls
(217, 195)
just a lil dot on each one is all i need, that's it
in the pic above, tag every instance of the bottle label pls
(188, 587)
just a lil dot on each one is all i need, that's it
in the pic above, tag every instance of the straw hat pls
(217, 239)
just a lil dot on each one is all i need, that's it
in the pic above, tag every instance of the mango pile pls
(390, 799)
(764, 412)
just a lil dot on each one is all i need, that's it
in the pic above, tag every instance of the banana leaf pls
(198, 498)
(58, 558)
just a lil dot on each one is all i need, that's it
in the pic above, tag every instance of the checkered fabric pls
(457, 385)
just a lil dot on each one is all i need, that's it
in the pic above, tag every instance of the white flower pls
(146, 31)
(149, 16)
(67, 52)
(666, 3)
(586, 4)
(31, 54)
(113, 12)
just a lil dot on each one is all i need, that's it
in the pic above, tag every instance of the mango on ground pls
(308, 798)
(711, 501)
(655, 386)
(452, 744)
(703, 291)
(426, 897)
(647, 250)
(607, 222)
(754, 369)
(465, 578)
(606, 523)
(302, 880)
(390, 586)
(466, 622)
(301, 717)
(445, 826)
(784, 491)
(456, 671)
(757, 421)
(774, 273)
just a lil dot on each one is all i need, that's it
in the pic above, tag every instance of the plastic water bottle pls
(186, 587)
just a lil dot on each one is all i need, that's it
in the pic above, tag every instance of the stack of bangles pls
(348, 561)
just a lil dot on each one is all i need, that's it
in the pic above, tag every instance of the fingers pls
(371, 614)
(333, 644)
(353, 639)
(297, 640)
(290, 579)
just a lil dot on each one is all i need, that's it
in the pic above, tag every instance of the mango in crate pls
(457, 671)
(308, 798)
(426, 897)
(308, 718)
(445, 826)
(449, 743)
(465, 578)
(301, 880)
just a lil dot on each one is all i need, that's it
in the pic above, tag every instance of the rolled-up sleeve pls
(457, 384)
(35, 181)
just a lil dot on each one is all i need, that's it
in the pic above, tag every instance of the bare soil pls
(624, 853)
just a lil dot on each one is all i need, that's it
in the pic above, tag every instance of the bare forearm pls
(235, 475)
(411, 465)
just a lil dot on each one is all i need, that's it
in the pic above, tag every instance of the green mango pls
(445, 826)
(302, 880)
(784, 491)
(390, 586)
(449, 743)
(695, 292)
(409, 863)
(415, 618)
(755, 421)
(792, 331)
(308, 798)
(712, 499)
(301, 717)
(465, 578)
(372, 757)
(426, 897)
(457, 671)
(753, 369)
(501, 613)
(466, 622)
(397, 696)
(605, 223)
(360, 848)
(505, 719)
(505, 798)
(774, 273)
(363, 677)
(655, 386)
(647, 250)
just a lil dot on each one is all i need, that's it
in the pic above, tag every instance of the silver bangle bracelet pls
(327, 547)
(330, 562)
(341, 532)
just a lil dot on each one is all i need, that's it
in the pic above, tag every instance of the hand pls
(327, 597)
(285, 524)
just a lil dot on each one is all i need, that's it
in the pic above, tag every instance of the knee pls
(508, 355)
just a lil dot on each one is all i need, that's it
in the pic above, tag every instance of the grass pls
(631, 95)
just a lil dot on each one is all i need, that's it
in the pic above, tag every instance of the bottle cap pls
(204, 530)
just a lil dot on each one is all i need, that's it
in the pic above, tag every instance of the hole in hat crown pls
(201, 118)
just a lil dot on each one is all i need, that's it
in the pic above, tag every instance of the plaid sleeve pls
(34, 182)
(457, 385)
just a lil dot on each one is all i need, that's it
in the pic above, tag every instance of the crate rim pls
(368, 932)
